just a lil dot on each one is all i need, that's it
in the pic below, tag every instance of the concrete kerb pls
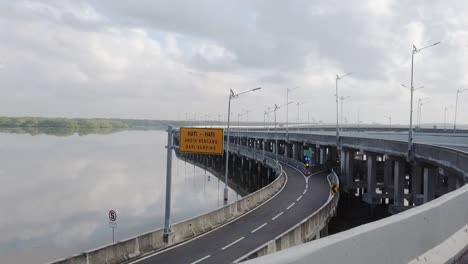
(301, 232)
(147, 243)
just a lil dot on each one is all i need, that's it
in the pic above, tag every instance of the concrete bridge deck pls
(300, 197)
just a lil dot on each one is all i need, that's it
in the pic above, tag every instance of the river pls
(56, 191)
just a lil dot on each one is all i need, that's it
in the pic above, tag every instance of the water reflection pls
(56, 191)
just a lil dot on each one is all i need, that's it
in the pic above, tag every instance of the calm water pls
(56, 191)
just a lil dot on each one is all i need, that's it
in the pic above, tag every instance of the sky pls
(178, 59)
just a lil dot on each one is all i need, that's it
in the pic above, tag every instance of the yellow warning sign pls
(201, 140)
(334, 188)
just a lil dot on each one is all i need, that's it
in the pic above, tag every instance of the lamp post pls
(456, 108)
(287, 109)
(232, 96)
(276, 136)
(336, 97)
(410, 133)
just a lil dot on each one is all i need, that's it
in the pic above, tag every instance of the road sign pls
(112, 216)
(335, 188)
(307, 152)
(307, 158)
(201, 140)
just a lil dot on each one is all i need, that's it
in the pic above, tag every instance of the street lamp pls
(276, 136)
(287, 109)
(410, 133)
(456, 108)
(336, 97)
(342, 98)
(232, 96)
(389, 120)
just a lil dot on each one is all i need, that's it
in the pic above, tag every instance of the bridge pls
(426, 194)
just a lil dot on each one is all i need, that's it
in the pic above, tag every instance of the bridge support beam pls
(349, 158)
(322, 155)
(370, 196)
(416, 182)
(388, 176)
(399, 180)
(429, 184)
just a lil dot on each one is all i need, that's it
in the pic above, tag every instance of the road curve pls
(300, 197)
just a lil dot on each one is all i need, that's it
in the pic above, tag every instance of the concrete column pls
(349, 168)
(302, 147)
(317, 154)
(399, 183)
(388, 177)
(429, 184)
(416, 179)
(322, 156)
(343, 167)
(371, 173)
(296, 151)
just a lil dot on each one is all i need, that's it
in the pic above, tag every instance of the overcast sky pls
(163, 59)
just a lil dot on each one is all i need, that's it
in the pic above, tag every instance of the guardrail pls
(400, 238)
(302, 232)
(153, 241)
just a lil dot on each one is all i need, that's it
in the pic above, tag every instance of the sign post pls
(192, 140)
(167, 216)
(113, 223)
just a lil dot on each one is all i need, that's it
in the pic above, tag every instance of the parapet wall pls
(185, 230)
(400, 238)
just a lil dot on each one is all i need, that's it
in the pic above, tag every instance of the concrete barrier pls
(304, 231)
(396, 239)
(185, 230)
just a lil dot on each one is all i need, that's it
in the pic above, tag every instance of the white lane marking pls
(258, 228)
(290, 206)
(200, 260)
(278, 215)
(304, 192)
(307, 186)
(232, 243)
(300, 197)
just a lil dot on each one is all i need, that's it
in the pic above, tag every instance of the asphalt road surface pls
(300, 198)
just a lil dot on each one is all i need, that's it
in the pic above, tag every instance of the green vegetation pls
(81, 126)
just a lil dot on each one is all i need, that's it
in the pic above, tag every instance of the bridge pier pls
(399, 183)
(429, 184)
(370, 196)
(416, 182)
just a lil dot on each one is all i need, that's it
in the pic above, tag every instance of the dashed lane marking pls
(227, 246)
(278, 215)
(258, 228)
(300, 197)
(200, 260)
(290, 206)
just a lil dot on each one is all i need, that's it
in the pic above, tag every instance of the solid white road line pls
(200, 260)
(256, 229)
(290, 206)
(300, 197)
(278, 215)
(232, 243)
